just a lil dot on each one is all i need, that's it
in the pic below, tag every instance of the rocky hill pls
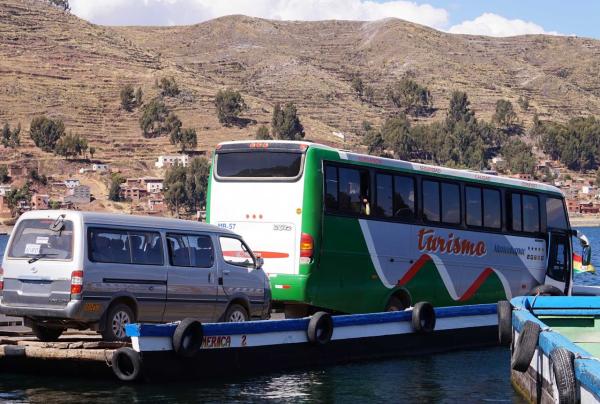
(57, 64)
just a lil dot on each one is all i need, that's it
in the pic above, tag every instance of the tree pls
(185, 138)
(92, 151)
(505, 116)
(262, 133)
(523, 103)
(11, 138)
(459, 109)
(519, 157)
(139, 97)
(358, 86)
(230, 105)
(15, 196)
(410, 97)
(196, 183)
(45, 132)
(114, 192)
(168, 87)
(71, 146)
(35, 176)
(173, 125)
(128, 98)
(4, 178)
(285, 123)
(174, 188)
(152, 121)
(372, 139)
(396, 136)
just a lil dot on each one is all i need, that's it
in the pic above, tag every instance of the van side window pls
(123, 247)
(235, 252)
(189, 250)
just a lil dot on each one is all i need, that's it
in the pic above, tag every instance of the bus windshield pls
(259, 164)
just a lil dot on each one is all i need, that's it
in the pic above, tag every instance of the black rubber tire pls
(546, 290)
(423, 317)
(394, 304)
(188, 337)
(563, 366)
(46, 334)
(108, 334)
(525, 346)
(236, 308)
(320, 328)
(127, 364)
(505, 331)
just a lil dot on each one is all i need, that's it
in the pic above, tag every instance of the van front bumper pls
(72, 311)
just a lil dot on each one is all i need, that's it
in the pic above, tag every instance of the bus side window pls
(385, 199)
(516, 222)
(353, 194)
(473, 206)
(331, 188)
(404, 197)
(450, 203)
(492, 209)
(431, 201)
(555, 214)
(531, 214)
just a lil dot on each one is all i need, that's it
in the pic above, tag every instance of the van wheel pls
(236, 314)
(118, 316)
(46, 334)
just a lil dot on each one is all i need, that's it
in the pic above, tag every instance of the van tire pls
(117, 316)
(320, 328)
(126, 364)
(423, 317)
(236, 313)
(188, 337)
(563, 366)
(505, 331)
(546, 290)
(525, 346)
(46, 334)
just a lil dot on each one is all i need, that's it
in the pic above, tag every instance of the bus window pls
(264, 164)
(450, 203)
(531, 214)
(492, 209)
(555, 214)
(516, 223)
(404, 197)
(353, 194)
(431, 201)
(331, 188)
(473, 206)
(385, 202)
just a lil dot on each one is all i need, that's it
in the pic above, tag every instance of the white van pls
(68, 269)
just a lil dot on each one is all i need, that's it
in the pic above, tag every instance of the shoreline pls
(585, 221)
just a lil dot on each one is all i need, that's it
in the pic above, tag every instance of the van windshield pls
(33, 238)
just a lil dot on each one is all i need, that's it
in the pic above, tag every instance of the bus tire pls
(505, 331)
(320, 328)
(525, 347)
(394, 304)
(423, 317)
(563, 366)
(127, 364)
(546, 290)
(188, 337)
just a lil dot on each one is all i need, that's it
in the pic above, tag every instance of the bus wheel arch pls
(398, 300)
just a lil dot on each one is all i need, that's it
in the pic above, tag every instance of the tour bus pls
(355, 233)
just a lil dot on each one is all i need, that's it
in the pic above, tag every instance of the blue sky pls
(482, 17)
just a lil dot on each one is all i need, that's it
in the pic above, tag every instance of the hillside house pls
(132, 193)
(573, 206)
(170, 161)
(78, 195)
(156, 204)
(524, 176)
(100, 167)
(132, 182)
(153, 185)
(71, 183)
(5, 189)
(15, 171)
(40, 201)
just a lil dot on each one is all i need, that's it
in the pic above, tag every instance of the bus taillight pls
(306, 246)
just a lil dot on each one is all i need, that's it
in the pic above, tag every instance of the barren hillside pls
(57, 64)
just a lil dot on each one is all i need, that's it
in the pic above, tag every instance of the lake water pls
(468, 376)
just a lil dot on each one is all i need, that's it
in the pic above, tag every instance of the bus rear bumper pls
(288, 288)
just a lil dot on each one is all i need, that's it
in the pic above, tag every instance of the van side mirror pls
(586, 255)
(259, 262)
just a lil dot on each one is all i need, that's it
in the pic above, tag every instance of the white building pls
(71, 183)
(170, 161)
(78, 195)
(5, 189)
(99, 167)
(153, 185)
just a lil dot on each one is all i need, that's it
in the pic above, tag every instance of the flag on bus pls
(578, 267)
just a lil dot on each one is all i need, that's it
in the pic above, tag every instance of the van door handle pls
(226, 271)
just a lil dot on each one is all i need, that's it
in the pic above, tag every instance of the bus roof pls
(418, 167)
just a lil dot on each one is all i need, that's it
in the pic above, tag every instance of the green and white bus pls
(354, 233)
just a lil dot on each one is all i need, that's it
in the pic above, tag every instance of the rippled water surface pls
(466, 376)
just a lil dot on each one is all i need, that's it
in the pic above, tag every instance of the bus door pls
(558, 261)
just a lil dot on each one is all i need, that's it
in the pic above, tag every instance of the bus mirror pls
(260, 262)
(586, 256)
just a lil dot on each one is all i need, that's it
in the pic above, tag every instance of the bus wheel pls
(546, 290)
(320, 328)
(423, 317)
(394, 304)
